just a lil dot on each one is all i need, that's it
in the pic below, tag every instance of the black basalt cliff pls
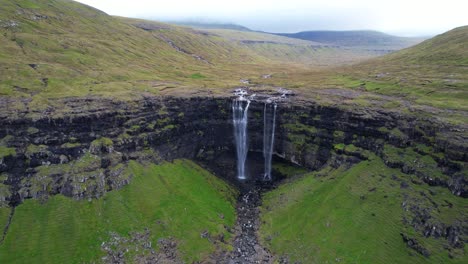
(82, 153)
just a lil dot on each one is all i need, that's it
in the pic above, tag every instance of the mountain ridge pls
(355, 38)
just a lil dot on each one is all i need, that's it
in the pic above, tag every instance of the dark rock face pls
(83, 153)
(414, 244)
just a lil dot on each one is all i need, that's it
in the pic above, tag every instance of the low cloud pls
(403, 17)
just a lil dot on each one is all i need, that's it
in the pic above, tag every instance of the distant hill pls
(360, 39)
(212, 25)
(292, 50)
(449, 48)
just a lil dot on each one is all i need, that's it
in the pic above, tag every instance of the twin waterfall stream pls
(240, 107)
(269, 119)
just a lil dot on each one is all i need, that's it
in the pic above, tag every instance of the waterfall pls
(240, 109)
(269, 116)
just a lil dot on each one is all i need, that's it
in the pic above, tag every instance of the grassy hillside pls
(58, 48)
(357, 39)
(355, 215)
(175, 202)
(293, 50)
(432, 73)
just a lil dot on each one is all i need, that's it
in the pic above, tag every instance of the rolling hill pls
(282, 49)
(433, 72)
(124, 58)
(211, 25)
(62, 48)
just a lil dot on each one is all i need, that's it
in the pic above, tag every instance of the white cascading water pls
(269, 119)
(240, 107)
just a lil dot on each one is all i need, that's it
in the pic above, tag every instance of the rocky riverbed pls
(247, 248)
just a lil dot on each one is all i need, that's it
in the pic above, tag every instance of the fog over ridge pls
(400, 17)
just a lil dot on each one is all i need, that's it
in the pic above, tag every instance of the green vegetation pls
(353, 216)
(32, 130)
(301, 128)
(288, 170)
(101, 144)
(5, 152)
(4, 192)
(70, 145)
(197, 76)
(176, 200)
(411, 160)
(33, 149)
(4, 216)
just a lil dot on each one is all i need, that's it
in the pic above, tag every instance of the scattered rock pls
(414, 244)
(9, 24)
(404, 185)
(138, 247)
(246, 246)
(204, 234)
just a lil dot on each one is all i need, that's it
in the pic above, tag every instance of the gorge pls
(309, 135)
(269, 121)
(124, 140)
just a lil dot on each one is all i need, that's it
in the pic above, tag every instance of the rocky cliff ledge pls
(83, 152)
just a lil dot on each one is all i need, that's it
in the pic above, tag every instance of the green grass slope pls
(353, 216)
(432, 73)
(177, 201)
(61, 48)
(449, 47)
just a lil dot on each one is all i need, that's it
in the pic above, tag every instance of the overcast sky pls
(400, 17)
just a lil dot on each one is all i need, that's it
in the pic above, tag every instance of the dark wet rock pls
(404, 185)
(246, 247)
